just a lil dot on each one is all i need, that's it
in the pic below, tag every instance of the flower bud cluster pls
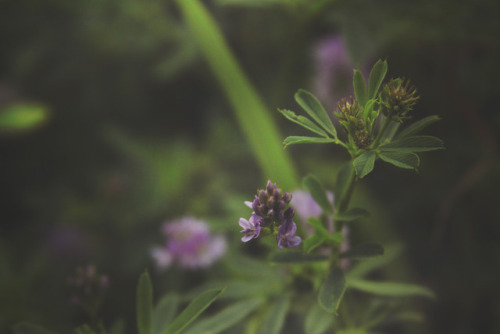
(88, 287)
(271, 211)
(397, 98)
(351, 119)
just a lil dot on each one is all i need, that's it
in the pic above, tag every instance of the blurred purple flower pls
(286, 234)
(189, 244)
(67, 242)
(251, 227)
(333, 68)
(305, 206)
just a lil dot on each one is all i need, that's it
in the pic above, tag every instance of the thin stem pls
(387, 120)
(344, 203)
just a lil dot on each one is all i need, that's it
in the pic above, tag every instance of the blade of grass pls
(253, 117)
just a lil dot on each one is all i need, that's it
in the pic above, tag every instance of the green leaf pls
(314, 109)
(377, 75)
(317, 320)
(22, 116)
(226, 318)
(352, 214)
(275, 319)
(164, 312)
(292, 140)
(354, 331)
(332, 290)
(318, 225)
(247, 288)
(252, 114)
(406, 160)
(345, 174)
(303, 121)
(418, 126)
(338, 237)
(391, 289)
(363, 164)
(312, 242)
(363, 251)
(28, 328)
(414, 144)
(362, 268)
(144, 305)
(360, 88)
(292, 257)
(318, 193)
(390, 132)
(193, 310)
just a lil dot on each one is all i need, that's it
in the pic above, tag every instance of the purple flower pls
(286, 235)
(333, 70)
(251, 227)
(305, 206)
(189, 244)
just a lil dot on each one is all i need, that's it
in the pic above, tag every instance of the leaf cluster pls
(365, 141)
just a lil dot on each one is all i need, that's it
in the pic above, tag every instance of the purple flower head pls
(189, 244)
(286, 235)
(251, 227)
(270, 203)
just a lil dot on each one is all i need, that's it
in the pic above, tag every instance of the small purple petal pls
(251, 227)
(286, 235)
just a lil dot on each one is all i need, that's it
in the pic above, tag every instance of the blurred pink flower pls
(189, 244)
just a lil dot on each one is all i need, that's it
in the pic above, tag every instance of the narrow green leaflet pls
(406, 160)
(291, 140)
(314, 109)
(193, 310)
(303, 121)
(318, 193)
(226, 318)
(418, 126)
(144, 306)
(377, 75)
(414, 144)
(390, 132)
(392, 251)
(275, 319)
(22, 116)
(291, 257)
(317, 320)
(318, 225)
(28, 328)
(332, 290)
(164, 312)
(344, 175)
(363, 251)
(352, 214)
(363, 164)
(247, 288)
(312, 242)
(360, 88)
(354, 331)
(391, 289)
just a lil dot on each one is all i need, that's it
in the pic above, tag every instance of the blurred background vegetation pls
(125, 126)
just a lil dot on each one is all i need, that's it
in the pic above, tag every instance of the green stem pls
(386, 123)
(344, 203)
